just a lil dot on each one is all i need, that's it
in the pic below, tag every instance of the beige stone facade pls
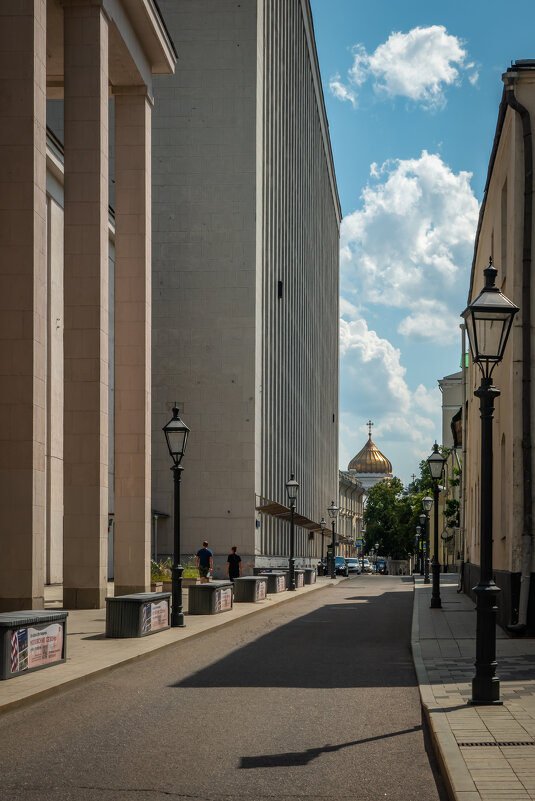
(54, 276)
(245, 265)
(506, 234)
(351, 499)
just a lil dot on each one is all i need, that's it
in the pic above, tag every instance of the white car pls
(367, 568)
(353, 565)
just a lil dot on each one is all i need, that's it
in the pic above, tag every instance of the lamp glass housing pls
(176, 435)
(427, 503)
(423, 518)
(436, 463)
(323, 524)
(292, 488)
(488, 323)
(333, 510)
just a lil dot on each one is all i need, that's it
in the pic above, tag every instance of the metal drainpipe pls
(527, 545)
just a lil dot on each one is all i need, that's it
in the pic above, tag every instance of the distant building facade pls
(245, 274)
(450, 537)
(351, 498)
(505, 233)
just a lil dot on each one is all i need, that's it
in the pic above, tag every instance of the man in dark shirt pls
(205, 562)
(233, 564)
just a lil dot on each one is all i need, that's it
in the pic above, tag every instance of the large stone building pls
(505, 233)
(58, 240)
(245, 274)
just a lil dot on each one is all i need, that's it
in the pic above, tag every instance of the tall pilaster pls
(86, 304)
(132, 339)
(22, 301)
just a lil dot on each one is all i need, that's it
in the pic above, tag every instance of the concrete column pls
(22, 302)
(86, 305)
(132, 340)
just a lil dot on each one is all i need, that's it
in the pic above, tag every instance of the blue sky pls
(412, 92)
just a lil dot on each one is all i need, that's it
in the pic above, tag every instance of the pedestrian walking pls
(234, 564)
(205, 562)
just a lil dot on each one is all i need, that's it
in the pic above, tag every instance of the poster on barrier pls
(155, 616)
(36, 646)
(223, 599)
(261, 590)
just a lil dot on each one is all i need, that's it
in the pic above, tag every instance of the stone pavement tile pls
(479, 773)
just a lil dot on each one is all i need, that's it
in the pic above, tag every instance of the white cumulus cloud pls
(417, 65)
(405, 422)
(410, 245)
(341, 90)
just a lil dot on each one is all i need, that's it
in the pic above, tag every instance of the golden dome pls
(370, 459)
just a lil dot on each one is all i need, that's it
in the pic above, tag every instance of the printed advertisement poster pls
(260, 590)
(36, 646)
(155, 616)
(281, 583)
(299, 579)
(223, 600)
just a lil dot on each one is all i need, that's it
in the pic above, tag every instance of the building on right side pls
(505, 234)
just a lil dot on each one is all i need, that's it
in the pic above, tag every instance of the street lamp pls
(176, 435)
(292, 488)
(333, 513)
(436, 467)
(489, 319)
(420, 567)
(323, 525)
(427, 503)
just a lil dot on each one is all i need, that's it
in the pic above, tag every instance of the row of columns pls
(23, 311)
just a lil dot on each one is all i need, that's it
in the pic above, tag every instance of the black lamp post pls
(292, 488)
(333, 513)
(420, 565)
(436, 467)
(176, 435)
(489, 319)
(323, 525)
(427, 503)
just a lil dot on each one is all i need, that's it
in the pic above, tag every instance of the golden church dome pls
(370, 459)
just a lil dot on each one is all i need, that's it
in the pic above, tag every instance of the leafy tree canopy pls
(391, 516)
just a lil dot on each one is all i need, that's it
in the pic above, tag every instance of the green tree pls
(391, 517)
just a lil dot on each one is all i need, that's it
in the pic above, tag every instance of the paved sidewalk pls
(89, 652)
(486, 753)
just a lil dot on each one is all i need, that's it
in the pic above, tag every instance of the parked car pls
(380, 565)
(366, 566)
(340, 566)
(353, 565)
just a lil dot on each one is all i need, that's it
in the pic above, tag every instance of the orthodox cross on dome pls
(370, 424)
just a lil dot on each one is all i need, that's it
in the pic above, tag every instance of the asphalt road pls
(316, 699)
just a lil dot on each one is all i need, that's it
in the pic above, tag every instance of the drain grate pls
(498, 745)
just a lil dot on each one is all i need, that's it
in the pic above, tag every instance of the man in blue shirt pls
(205, 562)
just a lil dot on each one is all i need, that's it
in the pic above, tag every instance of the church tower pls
(369, 465)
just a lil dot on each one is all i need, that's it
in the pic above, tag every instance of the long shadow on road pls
(360, 641)
(304, 757)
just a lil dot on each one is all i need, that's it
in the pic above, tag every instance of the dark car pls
(340, 566)
(380, 565)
